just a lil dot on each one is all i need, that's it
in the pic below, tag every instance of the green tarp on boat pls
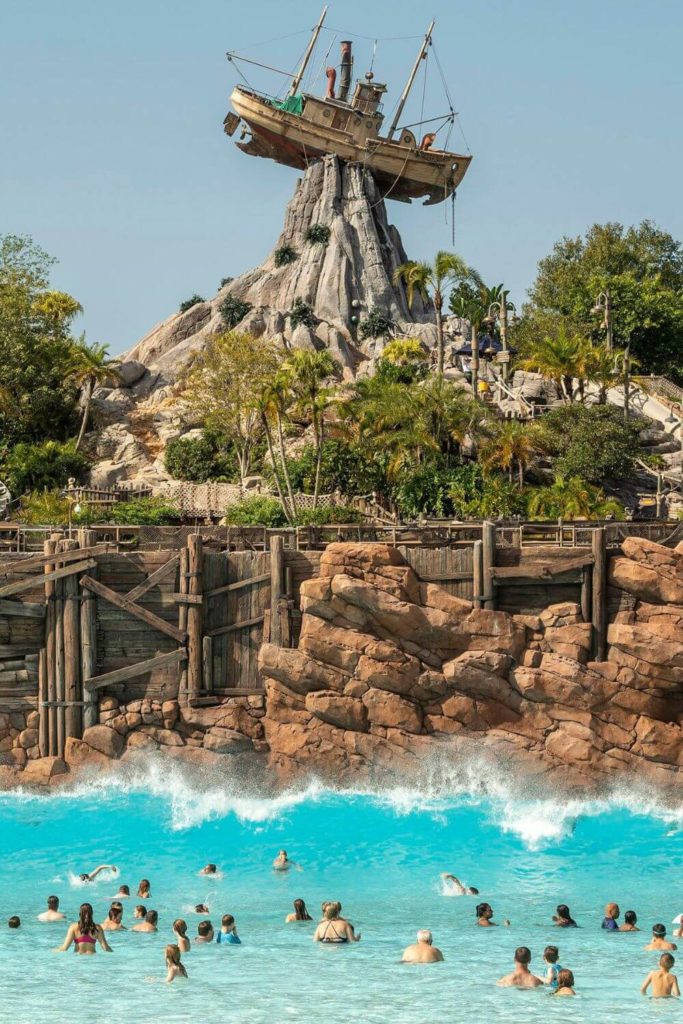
(292, 105)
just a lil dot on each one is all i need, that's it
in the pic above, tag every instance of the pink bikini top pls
(85, 938)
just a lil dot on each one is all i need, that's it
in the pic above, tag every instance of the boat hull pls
(403, 172)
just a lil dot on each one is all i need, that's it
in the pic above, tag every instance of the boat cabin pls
(361, 118)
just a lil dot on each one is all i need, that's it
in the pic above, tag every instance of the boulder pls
(226, 741)
(105, 740)
(79, 754)
(41, 771)
(392, 711)
(341, 711)
(649, 571)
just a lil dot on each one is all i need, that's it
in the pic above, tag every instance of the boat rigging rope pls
(448, 97)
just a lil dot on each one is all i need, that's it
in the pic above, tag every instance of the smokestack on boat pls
(346, 67)
(331, 79)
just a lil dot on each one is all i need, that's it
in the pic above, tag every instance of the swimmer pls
(123, 893)
(664, 984)
(14, 922)
(563, 918)
(180, 933)
(521, 976)
(678, 933)
(143, 892)
(456, 887)
(484, 913)
(201, 908)
(228, 932)
(175, 968)
(53, 913)
(300, 913)
(93, 874)
(204, 932)
(659, 939)
(149, 924)
(630, 919)
(423, 951)
(84, 934)
(334, 930)
(609, 923)
(565, 984)
(283, 863)
(210, 869)
(550, 956)
(113, 921)
(140, 912)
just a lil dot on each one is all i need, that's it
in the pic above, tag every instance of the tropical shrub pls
(260, 510)
(45, 465)
(199, 459)
(194, 300)
(326, 515)
(572, 498)
(590, 442)
(225, 280)
(232, 311)
(344, 467)
(302, 313)
(476, 495)
(284, 255)
(51, 508)
(376, 325)
(144, 512)
(318, 234)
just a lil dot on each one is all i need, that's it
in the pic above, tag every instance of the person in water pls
(14, 922)
(143, 892)
(93, 874)
(210, 869)
(521, 976)
(228, 931)
(149, 924)
(113, 922)
(664, 983)
(484, 915)
(423, 951)
(611, 918)
(84, 934)
(300, 913)
(53, 913)
(456, 886)
(140, 912)
(565, 984)
(630, 920)
(201, 908)
(659, 939)
(180, 933)
(551, 955)
(123, 893)
(333, 929)
(175, 968)
(204, 932)
(283, 863)
(563, 918)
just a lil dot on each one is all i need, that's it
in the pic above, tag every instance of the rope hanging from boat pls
(454, 112)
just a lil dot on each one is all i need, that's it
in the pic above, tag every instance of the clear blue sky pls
(113, 155)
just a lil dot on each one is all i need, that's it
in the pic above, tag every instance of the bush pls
(51, 508)
(144, 512)
(318, 234)
(343, 468)
(284, 255)
(260, 510)
(194, 300)
(478, 496)
(590, 442)
(46, 465)
(302, 313)
(232, 311)
(328, 515)
(225, 280)
(376, 325)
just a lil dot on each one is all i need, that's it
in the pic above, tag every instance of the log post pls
(87, 538)
(182, 623)
(50, 713)
(194, 615)
(586, 593)
(488, 548)
(477, 574)
(276, 573)
(43, 717)
(207, 663)
(59, 657)
(73, 692)
(599, 596)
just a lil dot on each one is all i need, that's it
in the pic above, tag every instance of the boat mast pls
(296, 81)
(409, 84)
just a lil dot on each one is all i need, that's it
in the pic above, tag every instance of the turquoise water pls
(381, 855)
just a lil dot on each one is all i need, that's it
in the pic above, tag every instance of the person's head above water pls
(471, 891)
(551, 954)
(143, 888)
(612, 910)
(523, 956)
(53, 903)
(124, 890)
(483, 910)
(666, 961)
(565, 978)
(630, 917)
(301, 911)
(424, 935)
(659, 931)
(151, 917)
(201, 908)
(115, 913)
(210, 869)
(14, 922)
(180, 927)
(140, 911)
(227, 921)
(86, 922)
(204, 928)
(563, 915)
(331, 910)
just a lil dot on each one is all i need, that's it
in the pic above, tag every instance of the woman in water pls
(282, 862)
(84, 934)
(565, 984)
(484, 914)
(93, 874)
(334, 930)
(180, 932)
(300, 913)
(563, 918)
(173, 963)
(113, 921)
(143, 892)
(611, 918)
(630, 921)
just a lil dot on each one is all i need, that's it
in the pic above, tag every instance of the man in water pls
(456, 887)
(521, 976)
(422, 951)
(53, 912)
(14, 922)
(210, 869)
(282, 862)
(664, 984)
(93, 874)
(204, 932)
(659, 939)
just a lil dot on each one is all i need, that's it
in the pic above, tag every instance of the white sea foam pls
(517, 806)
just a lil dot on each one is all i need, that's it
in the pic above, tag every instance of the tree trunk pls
(86, 413)
(285, 469)
(438, 304)
(318, 460)
(271, 452)
(520, 471)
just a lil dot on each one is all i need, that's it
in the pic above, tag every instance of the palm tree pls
(510, 444)
(89, 368)
(273, 404)
(571, 498)
(447, 269)
(307, 373)
(561, 359)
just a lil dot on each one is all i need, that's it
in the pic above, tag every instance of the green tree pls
(572, 498)
(89, 368)
(448, 269)
(509, 444)
(560, 358)
(43, 465)
(308, 373)
(590, 442)
(643, 268)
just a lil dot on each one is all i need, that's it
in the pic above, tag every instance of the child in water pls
(659, 939)
(550, 957)
(565, 984)
(175, 968)
(664, 984)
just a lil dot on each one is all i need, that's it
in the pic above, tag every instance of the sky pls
(113, 157)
